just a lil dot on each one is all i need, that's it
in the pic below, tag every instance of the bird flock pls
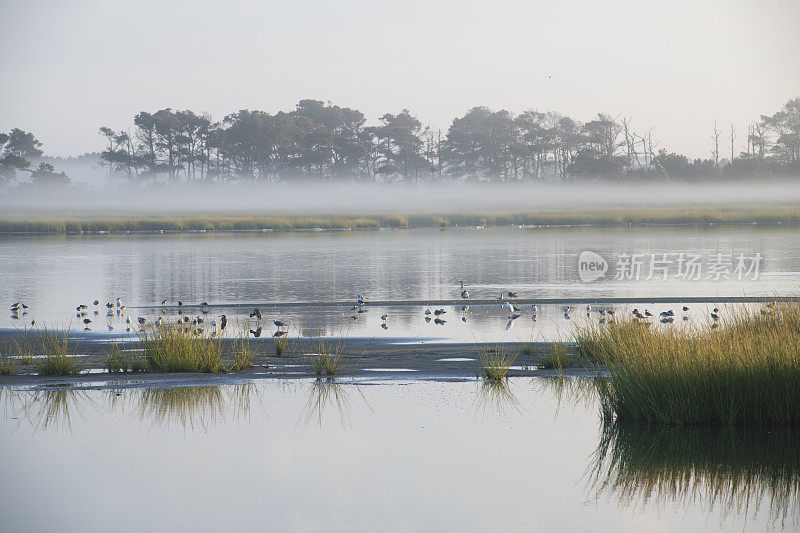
(89, 315)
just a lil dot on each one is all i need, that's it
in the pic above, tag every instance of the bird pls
(97, 302)
(512, 294)
(440, 321)
(588, 308)
(158, 321)
(256, 332)
(567, 308)
(384, 316)
(256, 313)
(361, 298)
(716, 310)
(223, 322)
(637, 314)
(109, 305)
(515, 316)
(279, 324)
(508, 307)
(279, 333)
(566, 315)
(685, 308)
(464, 292)
(427, 311)
(427, 319)
(715, 316)
(180, 303)
(141, 320)
(128, 320)
(33, 322)
(119, 302)
(439, 312)
(647, 313)
(361, 310)
(87, 320)
(384, 326)
(463, 319)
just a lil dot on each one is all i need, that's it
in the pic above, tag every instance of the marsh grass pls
(281, 344)
(7, 366)
(746, 372)
(59, 354)
(175, 348)
(557, 357)
(120, 361)
(244, 355)
(600, 215)
(327, 357)
(734, 468)
(495, 361)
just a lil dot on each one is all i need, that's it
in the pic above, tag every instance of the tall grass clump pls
(495, 362)
(7, 366)
(244, 355)
(557, 357)
(119, 361)
(173, 348)
(58, 354)
(746, 372)
(327, 356)
(280, 345)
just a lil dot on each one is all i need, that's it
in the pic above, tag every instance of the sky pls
(673, 66)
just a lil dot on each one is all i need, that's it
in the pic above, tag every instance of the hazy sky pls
(69, 67)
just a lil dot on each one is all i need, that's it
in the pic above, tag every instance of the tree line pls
(321, 141)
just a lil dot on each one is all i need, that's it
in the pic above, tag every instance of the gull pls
(508, 307)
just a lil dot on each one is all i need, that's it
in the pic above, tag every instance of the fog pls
(386, 197)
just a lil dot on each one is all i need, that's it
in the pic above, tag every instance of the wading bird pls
(440, 321)
(439, 312)
(279, 324)
(464, 293)
(512, 294)
(384, 316)
(222, 322)
(508, 307)
(256, 313)
(256, 332)
(141, 320)
(685, 308)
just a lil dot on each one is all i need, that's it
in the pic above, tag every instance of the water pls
(54, 274)
(380, 454)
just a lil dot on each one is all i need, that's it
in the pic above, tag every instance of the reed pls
(495, 362)
(597, 215)
(120, 361)
(557, 357)
(59, 354)
(175, 348)
(746, 372)
(327, 356)
(7, 366)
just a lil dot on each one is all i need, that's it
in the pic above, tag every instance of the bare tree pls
(715, 152)
(733, 139)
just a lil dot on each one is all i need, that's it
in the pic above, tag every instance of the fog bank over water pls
(384, 198)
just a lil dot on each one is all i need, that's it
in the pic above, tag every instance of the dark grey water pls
(369, 455)
(54, 274)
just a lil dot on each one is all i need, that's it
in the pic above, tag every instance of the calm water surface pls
(54, 274)
(369, 455)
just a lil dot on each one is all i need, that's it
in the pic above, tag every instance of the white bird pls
(508, 307)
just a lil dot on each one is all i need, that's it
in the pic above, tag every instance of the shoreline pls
(758, 214)
(361, 358)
